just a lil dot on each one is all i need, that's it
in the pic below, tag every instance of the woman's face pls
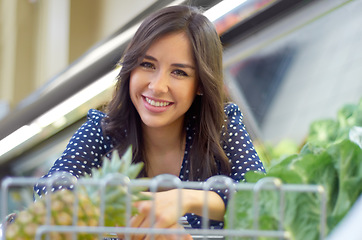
(164, 85)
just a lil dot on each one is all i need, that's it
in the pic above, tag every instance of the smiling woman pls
(170, 106)
(164, 86)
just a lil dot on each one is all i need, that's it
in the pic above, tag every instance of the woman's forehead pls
(172, 47)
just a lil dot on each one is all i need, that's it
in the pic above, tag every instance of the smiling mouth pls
(156, 103)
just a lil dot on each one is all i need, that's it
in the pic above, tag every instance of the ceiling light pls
(222, 8)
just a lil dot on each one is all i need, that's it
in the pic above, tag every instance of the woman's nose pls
(159, 83)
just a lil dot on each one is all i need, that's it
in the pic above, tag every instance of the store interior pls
(286, 64)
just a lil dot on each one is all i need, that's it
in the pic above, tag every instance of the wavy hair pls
(123, 122)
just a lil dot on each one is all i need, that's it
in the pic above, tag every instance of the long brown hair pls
(123, 122)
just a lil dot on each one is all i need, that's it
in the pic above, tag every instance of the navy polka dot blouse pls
(88, 145)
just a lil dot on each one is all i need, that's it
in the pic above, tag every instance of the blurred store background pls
(287, 63)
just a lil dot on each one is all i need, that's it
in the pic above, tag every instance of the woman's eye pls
(180, 73)
(147, 65)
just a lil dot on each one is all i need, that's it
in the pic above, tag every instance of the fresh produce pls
(88, 208)
(332, 158)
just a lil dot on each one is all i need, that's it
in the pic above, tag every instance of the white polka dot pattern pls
(88, 145)
(84, 151)
(238, 148)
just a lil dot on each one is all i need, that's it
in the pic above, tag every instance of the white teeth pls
(157, 104)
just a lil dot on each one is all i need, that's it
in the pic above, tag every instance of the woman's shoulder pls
(231, 109)
(95, 116)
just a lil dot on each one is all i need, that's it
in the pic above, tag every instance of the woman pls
(170, 105)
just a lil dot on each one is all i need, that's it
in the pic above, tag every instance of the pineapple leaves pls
(114, 195)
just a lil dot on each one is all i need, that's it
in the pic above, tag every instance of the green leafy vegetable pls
(328, 158)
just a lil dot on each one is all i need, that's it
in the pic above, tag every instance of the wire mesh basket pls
(15, 185)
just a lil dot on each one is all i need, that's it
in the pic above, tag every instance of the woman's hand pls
(163, 211)
(183, 235)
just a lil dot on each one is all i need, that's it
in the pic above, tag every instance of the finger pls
(137, 204)
(137, 221)
(164, 221)
(145, 210)
(187, 237)
(135, 236)
(155, 236)
(176, 236)
(120, 236)
(144, 223)
(181, 236)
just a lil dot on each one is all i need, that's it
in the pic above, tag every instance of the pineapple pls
(88, 209)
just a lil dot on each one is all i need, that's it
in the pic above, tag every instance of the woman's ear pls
(199, 91)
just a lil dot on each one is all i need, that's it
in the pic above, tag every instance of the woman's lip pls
(156, 105)
(156, 102)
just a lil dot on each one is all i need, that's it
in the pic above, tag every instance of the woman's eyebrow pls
(148, 57)
(181, 65)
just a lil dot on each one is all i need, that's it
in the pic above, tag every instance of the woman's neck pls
(164, 150)
(163, 138)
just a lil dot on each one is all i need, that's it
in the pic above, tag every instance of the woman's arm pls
(84, 151)
(168, 210)
(239, 147)
(195, 200)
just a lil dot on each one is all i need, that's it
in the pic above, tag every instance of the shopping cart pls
(11, 184)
